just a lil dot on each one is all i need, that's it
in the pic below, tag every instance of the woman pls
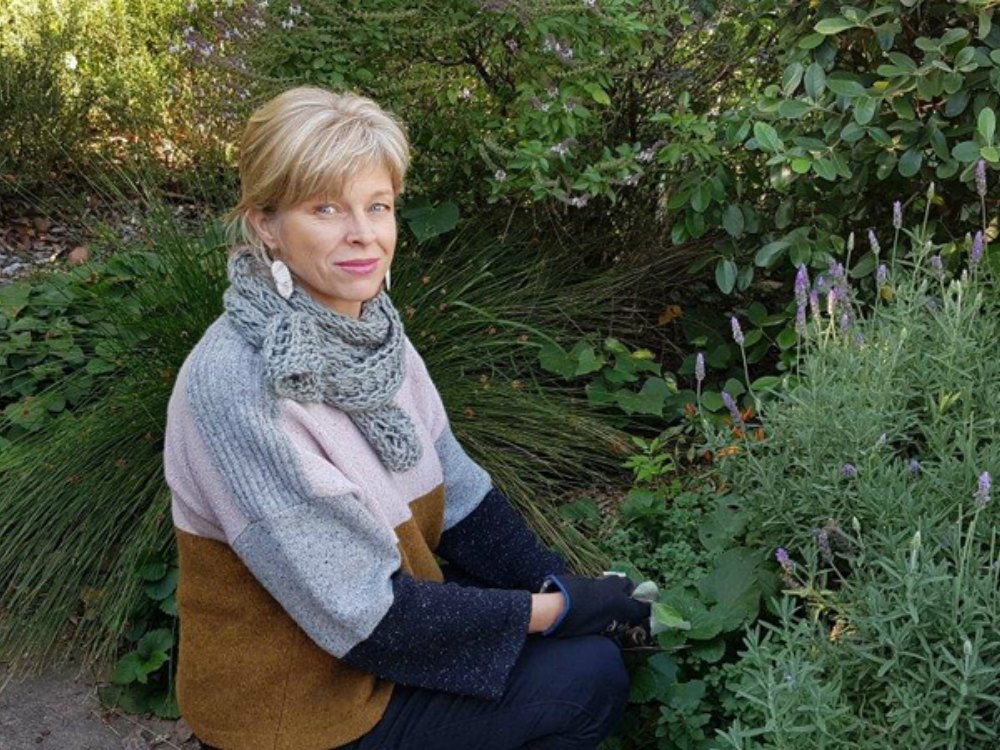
(314, 477)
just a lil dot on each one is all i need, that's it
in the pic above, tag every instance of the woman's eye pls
(382, 207)
(326, 209)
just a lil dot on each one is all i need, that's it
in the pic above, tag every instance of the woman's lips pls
(359, 268)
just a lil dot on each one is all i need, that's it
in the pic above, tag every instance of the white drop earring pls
(388, 276)
(282, 278)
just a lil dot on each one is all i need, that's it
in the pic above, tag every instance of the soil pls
(60, 710)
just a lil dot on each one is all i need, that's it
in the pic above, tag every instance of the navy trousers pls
(563, 694)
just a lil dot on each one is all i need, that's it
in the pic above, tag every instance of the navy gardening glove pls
(594, 606)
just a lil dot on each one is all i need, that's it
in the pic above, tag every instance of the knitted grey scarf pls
(314, 354)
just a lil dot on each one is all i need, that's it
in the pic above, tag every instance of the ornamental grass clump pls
(874, 489)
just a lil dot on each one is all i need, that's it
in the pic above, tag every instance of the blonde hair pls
(308, 142)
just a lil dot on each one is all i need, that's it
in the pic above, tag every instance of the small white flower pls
(500, 175)
(70, 61)
(590, 3)
(294, 10)
(645, 156)
(192, 6)
(287, 23)
(465, 93)
(579, 201)
(262, 5)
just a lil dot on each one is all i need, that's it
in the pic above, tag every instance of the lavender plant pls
(874, 486)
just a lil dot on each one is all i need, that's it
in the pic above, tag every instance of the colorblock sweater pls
(308, 579)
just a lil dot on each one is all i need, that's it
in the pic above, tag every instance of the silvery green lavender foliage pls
(889, 632)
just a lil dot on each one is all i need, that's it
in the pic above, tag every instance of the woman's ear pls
(263, 223)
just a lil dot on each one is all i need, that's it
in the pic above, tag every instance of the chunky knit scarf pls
(314, 354)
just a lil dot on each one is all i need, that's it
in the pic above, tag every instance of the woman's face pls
(323, 241)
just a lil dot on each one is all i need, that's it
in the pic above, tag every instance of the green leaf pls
(769, 254)
(864, 109)
(427, 220)
(553, 358)
(767, 137)
(830, 26)
(13, 299)
(164, 587)
(811, 41)
(846, 87)
(909, 163)
(815, 80)
(792, 109)
(825, 168)
(732, 220)
(710, 651)
(990, 153)
(987, 125)
(666, 617)
(801, 164)
(966, 151)
(587, 359)
(725, 275)
(791, 78)
(152, 571)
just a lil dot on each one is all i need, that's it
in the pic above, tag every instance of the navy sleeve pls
(494, 544)
(446, 637)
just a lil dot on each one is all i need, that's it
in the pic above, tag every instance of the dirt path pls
(60, 710)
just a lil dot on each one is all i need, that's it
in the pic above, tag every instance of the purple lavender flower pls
(882, 275)
(984, 489)
(845, 321)
(737, 331)
(800, 320)
(859, 340)
(814, 305)
(915, 467)
(981, 178)
(734, 411)
(977, 251)
(897, 215)
(938, 267)
(699, 367)
(849, 471)
(873, 241)
(781, 555)
(823, 542)
(801, 284)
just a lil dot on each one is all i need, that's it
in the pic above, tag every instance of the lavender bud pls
(734, 412)
(977, 251)
(859, 340)
(850, 242)
(800, 320)
(981, 178)
(882, 275)
(699, 367)
(938, 267)
(984, 489)
(823, 542)
(915, 467)
(845, 321)
(897, 215)
(849, 471)
(781, 555)
(814, 305)
(801, 285)
(873, 241)
(737, 331)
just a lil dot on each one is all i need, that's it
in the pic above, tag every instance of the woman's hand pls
(595, 606)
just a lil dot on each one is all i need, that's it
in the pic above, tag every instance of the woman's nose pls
(361, 230)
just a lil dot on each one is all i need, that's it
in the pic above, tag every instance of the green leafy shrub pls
(875, 475)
